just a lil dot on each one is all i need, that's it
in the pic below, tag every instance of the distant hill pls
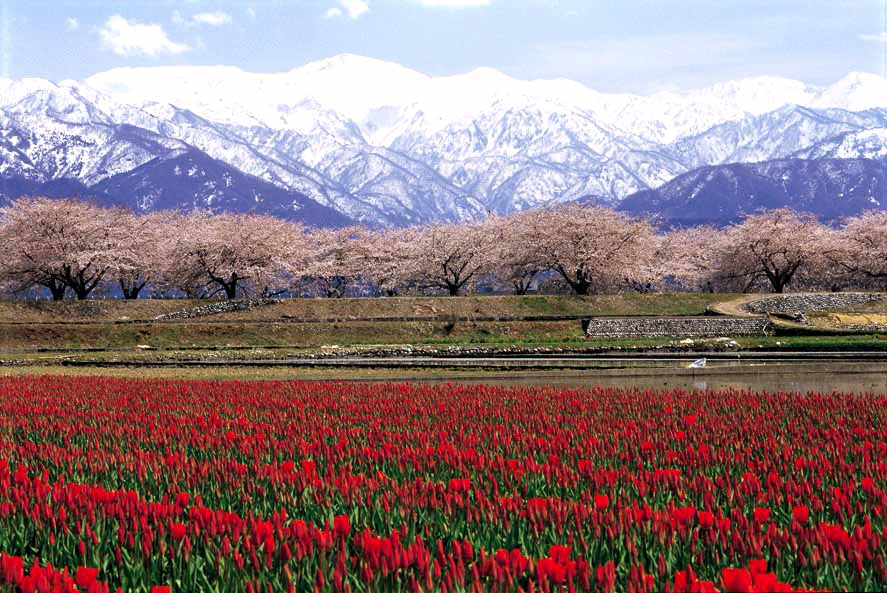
(719, 195)
(193, 180)
(183, 180)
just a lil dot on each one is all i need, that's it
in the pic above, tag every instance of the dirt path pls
(736, 307)
(824, 309)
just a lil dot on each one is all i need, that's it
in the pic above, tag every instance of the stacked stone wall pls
(675, 327)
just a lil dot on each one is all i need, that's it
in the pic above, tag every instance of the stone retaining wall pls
(675, 327)
(792, 304)
(217, 308)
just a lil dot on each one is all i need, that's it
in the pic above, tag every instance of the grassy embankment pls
(39, 337)
(313, 323)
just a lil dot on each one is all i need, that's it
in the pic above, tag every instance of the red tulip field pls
(190, 486)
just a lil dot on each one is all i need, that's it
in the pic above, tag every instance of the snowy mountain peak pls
(345, 65)
(13, 91)
(358, 88)
(856, 80)
(857, 91)
(760, 94)
(487, 75)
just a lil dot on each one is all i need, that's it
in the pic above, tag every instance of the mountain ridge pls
(382, 144)
(722, 194)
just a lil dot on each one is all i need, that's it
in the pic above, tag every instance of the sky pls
(610, 45)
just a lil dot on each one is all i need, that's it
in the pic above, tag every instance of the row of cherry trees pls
(69, 247)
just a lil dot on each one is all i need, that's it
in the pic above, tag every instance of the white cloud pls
(455, 3)
(132, 38)
(71, 24)
(879, 38)
(216, 18)
(212, 19)
(354, 9)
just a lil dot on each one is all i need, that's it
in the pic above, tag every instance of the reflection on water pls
(788, 380)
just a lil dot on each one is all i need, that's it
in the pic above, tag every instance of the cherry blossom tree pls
(68, 245)
(515, 266)
(334, 259)
(384, 258)
(449, 257)
(861, 246)
(141, 256)
(61, 244)
(235, 253)
(688, 257)
(775, 246)
(592, 248)
(25, 263)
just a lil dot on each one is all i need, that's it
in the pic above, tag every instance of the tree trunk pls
(523, 282)
(453, 289)
(57, 291)
(131, 291)
(779, 279)
(81, 283)
(778, 283)
(335, 288)
(229, 286)
(580, 287)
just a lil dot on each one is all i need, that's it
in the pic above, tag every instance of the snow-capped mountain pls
(777, 134)
(70, 140)
(380, 143)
